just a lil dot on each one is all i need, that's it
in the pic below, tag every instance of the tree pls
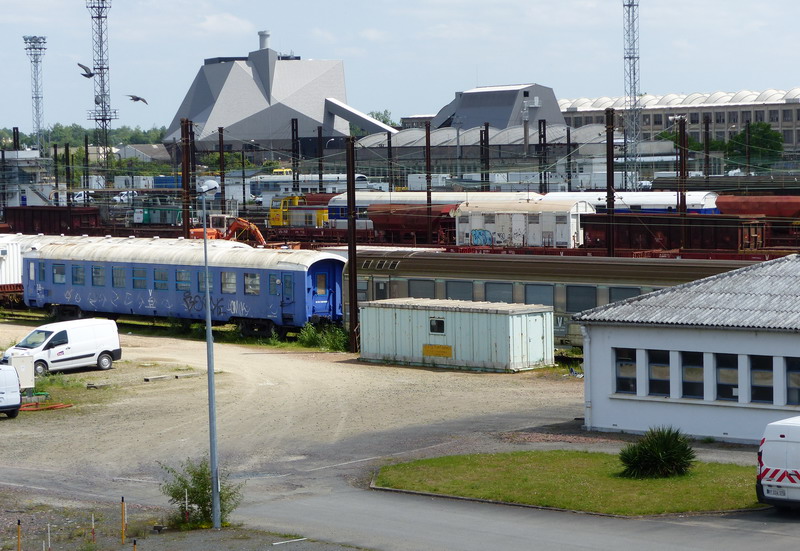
(384, 116)
(766, 145)
(693, 144)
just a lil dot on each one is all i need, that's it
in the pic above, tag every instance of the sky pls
(408, 57)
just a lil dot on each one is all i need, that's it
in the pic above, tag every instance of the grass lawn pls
(584, 481)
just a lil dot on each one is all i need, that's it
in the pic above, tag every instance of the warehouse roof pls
(715, 99)
(761, 296)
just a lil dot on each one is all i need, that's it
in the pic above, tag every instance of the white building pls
(718, 357)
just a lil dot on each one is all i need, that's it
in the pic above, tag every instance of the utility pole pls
(611, 229)
(352, 272)
(320, 148)
(428, 180)
(706, 148)
(220, 131)
(295, 157)
(185, 161)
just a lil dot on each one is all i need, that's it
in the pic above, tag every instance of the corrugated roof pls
(762, 296)
(449, 305)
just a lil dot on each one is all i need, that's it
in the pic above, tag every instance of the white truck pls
(778, 471)
(69, 345)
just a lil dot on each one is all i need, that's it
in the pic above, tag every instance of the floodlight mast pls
(102, 114)
(633, 109)
(35, 47)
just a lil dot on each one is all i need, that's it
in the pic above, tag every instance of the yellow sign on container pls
(439, 350)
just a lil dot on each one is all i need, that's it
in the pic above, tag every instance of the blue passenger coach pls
(258, 289)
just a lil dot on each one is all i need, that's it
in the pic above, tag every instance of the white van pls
(10, 396)
(69, 345)
(778, 471)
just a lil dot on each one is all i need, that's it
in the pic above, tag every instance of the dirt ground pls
(271, 405)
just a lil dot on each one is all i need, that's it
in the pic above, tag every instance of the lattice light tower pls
(633, 109)
(102, 114)
(35, 47)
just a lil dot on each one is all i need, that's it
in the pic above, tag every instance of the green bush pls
(661, 453)
(329, 337)
(194, 479)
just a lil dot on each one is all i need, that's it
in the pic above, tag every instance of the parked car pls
(10, 396)
(125, 196)
(778, 469)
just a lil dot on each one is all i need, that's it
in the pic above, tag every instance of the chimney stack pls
(263, 40)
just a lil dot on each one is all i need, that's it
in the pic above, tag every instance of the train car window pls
(139, 278)
(459, 290)
(160, 279)
(252, 284)
(362, 290)
(380, 264)
(183, 280)
(322, 284)
(42, 272)
(463, 219)
(288, 288)
(201, 282)
(793, 381)
(78, 275)
(539, 293)
(393, 264)
(31, 271)
(381, 290)
(658, 372)
(366, 264)
(692, 374)
(561, 219)
(621, 293)
(625, 369)
(274, 282)
(118, 277)
(727, 367)
(98, 276)
(761, 378)
(488, 218)
(581, 297)
(59, 274)
(228, 283)
(437, 326)
(533, 219)
(421, 288)
(499, 292)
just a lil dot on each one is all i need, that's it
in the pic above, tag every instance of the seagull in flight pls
(86, 71)
(138, 98)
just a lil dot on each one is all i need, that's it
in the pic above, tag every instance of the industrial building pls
(715, 358)
(728, 113)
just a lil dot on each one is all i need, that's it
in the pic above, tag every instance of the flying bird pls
(86, 71)
(138, 98)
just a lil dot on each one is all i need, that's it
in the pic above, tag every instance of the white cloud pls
(224, 23)
(373, 35)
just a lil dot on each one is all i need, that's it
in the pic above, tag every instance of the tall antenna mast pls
(633, 109)
(35, 47)
(102, 114)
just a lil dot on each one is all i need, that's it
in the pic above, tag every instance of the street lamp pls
(210, 186)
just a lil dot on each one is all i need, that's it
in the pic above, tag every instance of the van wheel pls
(104, 361)
(40, 368)
(13, 413)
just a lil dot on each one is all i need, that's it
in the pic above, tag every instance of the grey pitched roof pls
(761, 296)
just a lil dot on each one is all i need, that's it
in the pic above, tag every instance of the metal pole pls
(212, 408)
(185, 157)
(428, 180)
(222, 169)
(390, 160)
(706, 147)
(320, 150)
(244, 191)
(611, 230)
(352, 274)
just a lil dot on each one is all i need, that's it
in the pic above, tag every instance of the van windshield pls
(35, 339)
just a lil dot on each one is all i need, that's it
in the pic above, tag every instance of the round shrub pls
(661, 453)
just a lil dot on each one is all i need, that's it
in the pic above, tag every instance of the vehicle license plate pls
(777, 492)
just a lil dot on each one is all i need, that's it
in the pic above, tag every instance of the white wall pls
(743, 420)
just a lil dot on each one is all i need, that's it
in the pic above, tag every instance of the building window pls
(536, 293)
(658, 119)
(421, 288)
(78, 275)
(645, 120)
(600, 119)
(118, 277)
(625, 360)
(759, 116)
(228, 283)
(499, 292)
(581, 297)
(252, 284)
(183, 280)
(695, 136)
(59, 274)
(568, 121)
(719, 117)
(747, 116)
(773, 115)
(761, 379)
(707, 116)
(437, 326)
(658, 372)
(787, 115)
(793, 381)
(727, 366)
(140, 278)
(577, 122)
(694, 118)
(692, 374)
(98, 276)
(160, 279)
(458, 290)
(788, 136)
(621, 293)
(733, 117)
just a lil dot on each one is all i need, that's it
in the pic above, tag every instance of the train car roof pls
(443, 197)
(643, 198)
(28, 242)
(566, 205)
(191, 256)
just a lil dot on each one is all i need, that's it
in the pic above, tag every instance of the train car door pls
(322, 291)
(287, 298)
